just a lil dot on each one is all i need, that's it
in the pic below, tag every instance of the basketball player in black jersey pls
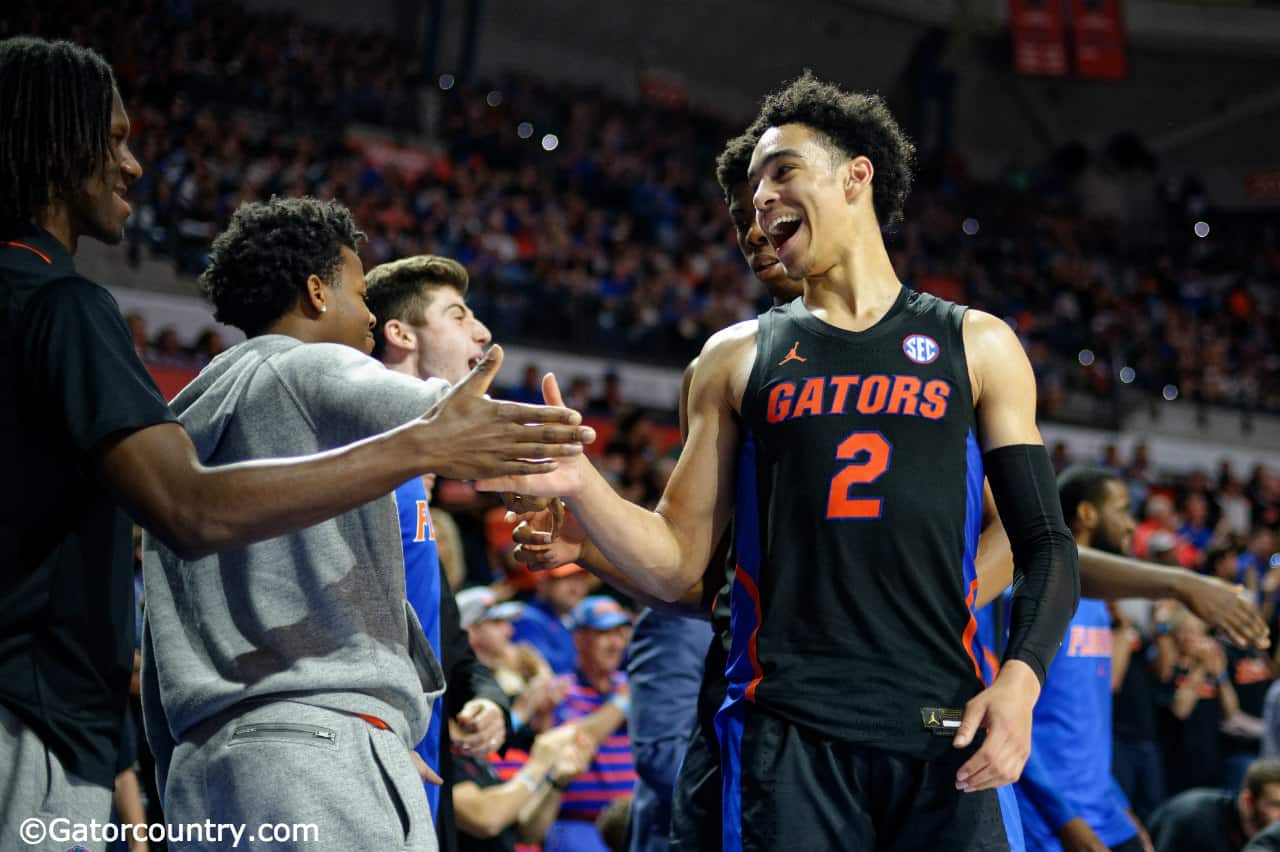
(860, 410)
(1109, 576)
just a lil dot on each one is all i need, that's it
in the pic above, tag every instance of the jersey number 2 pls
(869, 453)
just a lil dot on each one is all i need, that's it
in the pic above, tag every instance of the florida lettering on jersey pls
(1071, 738)
(856, 525)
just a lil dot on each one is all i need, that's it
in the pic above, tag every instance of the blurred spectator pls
(1251, 672)
(520, 670)
(598, 700)
(1210, 820)
(609, 403)
(208, 346)
(1195, 522)
(1061, 457)
(547, 620)
(493, 814)
(1137, 764)
(529, 390)
(1197, 697)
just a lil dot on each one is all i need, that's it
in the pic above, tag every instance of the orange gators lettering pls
(780, 402)
(873, 395)
(936, 392)
(842, 385)
(424, 523)
(810, 399)
(905, 396)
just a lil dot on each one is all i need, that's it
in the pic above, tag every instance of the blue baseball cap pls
(599, 612)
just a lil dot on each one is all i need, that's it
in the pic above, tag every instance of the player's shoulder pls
(729, 341)
(987, 334)
(725, 363)
(72, 290)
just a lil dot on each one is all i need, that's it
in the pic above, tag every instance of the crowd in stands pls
(616, 239)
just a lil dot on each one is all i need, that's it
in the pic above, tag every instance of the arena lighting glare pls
(494, 98)
(1127, 375)
(1202, 229)
(550, 142)
(1170, 393)
(447, 81)
(1086, 357)
(524, 130)
(970, 226)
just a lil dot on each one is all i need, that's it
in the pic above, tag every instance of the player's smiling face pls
(756, 250)
(99, 209)
(800, 199)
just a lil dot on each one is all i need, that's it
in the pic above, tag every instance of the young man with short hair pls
(425, 330)
(256, 657)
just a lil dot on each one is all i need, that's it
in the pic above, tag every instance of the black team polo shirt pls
(69, 378)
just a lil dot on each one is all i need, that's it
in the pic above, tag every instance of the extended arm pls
(1218, 604)
(156, 476)
(663, 553)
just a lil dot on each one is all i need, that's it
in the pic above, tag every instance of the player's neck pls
(299, 328)
(56, 219)
(400, 362)
(856, 291)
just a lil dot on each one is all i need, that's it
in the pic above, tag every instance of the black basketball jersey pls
(858, 513)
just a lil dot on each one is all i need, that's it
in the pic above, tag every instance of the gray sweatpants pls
(34, 787)
(294, 764)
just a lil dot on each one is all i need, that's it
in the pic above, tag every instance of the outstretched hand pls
(473, 436)
(1004, 711)
(1227, 608)
(547, 479)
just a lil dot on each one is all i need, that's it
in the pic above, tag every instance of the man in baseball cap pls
(547, 620)
(597, 700)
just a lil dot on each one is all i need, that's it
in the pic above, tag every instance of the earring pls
(324, 308)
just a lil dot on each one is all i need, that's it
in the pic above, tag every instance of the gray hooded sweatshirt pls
(318, 616)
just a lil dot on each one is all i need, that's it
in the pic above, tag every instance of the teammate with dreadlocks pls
(85, 434)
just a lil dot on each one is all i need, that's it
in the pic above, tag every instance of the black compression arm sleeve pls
(1046, 573)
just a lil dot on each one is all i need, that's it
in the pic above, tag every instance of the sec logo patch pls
(921, 348)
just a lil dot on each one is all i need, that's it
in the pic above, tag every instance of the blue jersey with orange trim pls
(612, 773)
(856, 526)
(1071, 738)
(422, 589)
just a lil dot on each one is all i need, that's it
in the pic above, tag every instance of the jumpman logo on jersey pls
(792, 355)
(933, 718)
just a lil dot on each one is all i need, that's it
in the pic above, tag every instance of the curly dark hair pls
(731, 165)
(56, 101)
(260, 264)
(855, 124)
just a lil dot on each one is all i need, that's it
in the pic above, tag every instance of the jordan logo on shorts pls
(792, 355)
